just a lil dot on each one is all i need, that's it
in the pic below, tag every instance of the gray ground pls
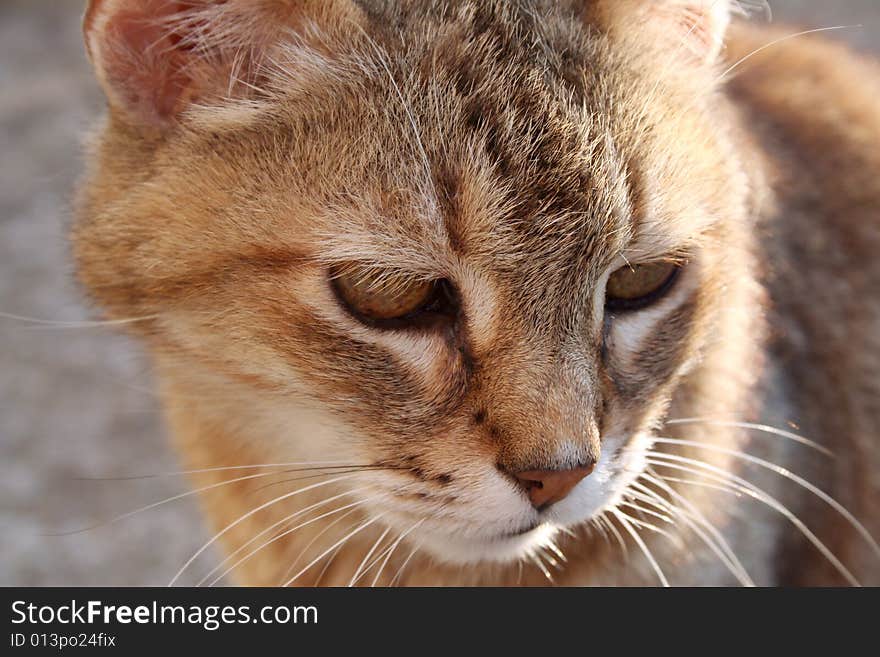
(76, 402)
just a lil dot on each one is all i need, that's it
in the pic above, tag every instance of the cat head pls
(479, 247)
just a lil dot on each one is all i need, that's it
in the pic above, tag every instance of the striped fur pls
(524, 151)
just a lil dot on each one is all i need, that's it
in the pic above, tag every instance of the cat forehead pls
(481, 142)
(450, 145)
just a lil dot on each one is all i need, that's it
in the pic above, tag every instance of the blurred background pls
(76, 405)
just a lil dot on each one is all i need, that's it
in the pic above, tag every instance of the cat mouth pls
(499, 547)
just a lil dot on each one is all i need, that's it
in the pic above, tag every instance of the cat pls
(498, 293)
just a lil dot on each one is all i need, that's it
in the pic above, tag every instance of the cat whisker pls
(755, 427)
(303, 465)
(695, 482)
(776, 42)
(380, 555)
(314, 540)
(284, 520)
(549, 558)
(634, 492)
(642, 546)
(384, 553)
(286, 532)
(641, 509)
(655, 89)
(167, 500)
(616, 534)
(357, 572)
(340, 542)
(399, 573)
(695, 520)
(834, 504)
(536, 559)
(594, 523)
(725, 75)
(83, 324)
(326, 566)
(247, 515)
(202, 489)
(550, 545)
(703, 469)
(351, 470)
(568, 532)
(675, 540)
(391, 550)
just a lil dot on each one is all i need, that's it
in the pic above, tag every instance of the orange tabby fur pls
(519, 159)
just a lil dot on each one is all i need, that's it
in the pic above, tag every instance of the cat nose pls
(545, 487)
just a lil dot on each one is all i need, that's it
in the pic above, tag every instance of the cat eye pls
(634, 287)
(385, 300)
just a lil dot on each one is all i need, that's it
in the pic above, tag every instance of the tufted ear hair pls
(697, 26)
(156, 57)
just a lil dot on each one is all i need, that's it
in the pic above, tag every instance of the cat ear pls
(697, 27)
(156, 57)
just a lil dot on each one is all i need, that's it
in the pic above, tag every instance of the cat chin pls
(461, 550)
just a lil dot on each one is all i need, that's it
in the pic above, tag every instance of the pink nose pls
(545, 487)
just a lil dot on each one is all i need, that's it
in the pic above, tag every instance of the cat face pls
(474, 249)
